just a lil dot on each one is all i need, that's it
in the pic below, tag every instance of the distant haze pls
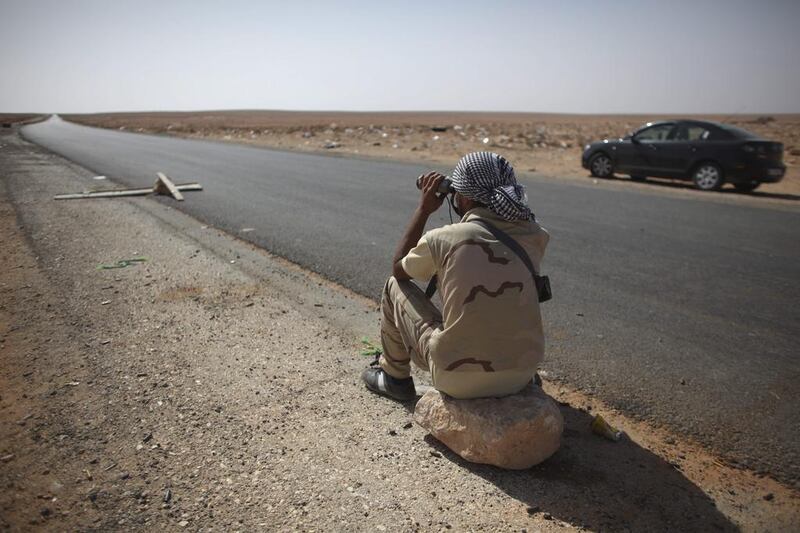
(694, 56)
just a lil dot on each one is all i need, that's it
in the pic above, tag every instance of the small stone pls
(408, 425)
(435, 453)
(533, 510)
(547, 516)
(392, 432)
(167, 495)
(183, 523)
(769, 497)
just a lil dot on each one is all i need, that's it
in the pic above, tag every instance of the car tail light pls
(755, 147)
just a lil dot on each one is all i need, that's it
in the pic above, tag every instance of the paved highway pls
(681, 310)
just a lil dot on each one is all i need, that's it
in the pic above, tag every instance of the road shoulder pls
(215, 385)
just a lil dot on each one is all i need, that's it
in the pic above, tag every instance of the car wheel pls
(747, 186)
(638, 178)
(708, 177)
(601, 166)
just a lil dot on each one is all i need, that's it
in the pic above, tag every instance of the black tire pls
(638, 178)
(707, 176)
(601, 166)
(747, 187)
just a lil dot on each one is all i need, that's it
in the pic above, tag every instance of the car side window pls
(654, 133)
(696, 133)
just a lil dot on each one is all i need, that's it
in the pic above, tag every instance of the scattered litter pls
(167, 495)
(603, 428)
(122, 263)
(248, 230)
(7, 458)
(422, 389)
(371, 350)
(105, 302)
(72, 384)
(99, 178)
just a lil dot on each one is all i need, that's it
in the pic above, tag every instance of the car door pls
(698, 147)
(651, 149)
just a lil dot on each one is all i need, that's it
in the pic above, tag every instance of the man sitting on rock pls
(487, 341)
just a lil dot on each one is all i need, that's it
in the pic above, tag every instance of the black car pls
(708, 153)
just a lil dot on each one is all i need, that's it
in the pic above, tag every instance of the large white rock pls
(514, 432)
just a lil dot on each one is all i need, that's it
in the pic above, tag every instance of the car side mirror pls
(633, 139)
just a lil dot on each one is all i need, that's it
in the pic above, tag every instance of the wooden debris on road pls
(163, 185)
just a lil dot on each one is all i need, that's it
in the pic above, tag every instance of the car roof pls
(706, 123)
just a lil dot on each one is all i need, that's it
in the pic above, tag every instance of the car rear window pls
(738, 133)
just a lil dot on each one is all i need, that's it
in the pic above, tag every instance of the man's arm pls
(429, 202)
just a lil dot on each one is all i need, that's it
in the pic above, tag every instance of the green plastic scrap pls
(122, 263)
(371, 350)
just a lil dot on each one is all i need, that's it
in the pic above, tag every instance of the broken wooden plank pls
(105, 194)
(164, 181)
(113, 193)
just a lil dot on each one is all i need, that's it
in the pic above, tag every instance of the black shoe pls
(398, 389)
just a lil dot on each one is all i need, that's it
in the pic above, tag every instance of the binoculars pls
(445, 187)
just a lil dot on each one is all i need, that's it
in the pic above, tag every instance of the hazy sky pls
(693, 56)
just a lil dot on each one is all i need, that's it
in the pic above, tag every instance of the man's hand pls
(430, 200)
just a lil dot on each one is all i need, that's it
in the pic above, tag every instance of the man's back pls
(491, 340)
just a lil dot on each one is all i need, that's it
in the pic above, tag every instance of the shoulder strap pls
(541, 283)
(506, 239)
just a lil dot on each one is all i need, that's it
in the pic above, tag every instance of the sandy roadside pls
(215, 387)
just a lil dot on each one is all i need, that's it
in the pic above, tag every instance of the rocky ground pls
(215, 387)
(545, 144)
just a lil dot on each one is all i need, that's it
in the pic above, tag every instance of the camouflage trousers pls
(409, 321)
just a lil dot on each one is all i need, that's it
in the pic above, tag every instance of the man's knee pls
(387, 298)
(391, 290)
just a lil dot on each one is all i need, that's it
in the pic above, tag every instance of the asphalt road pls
(680, 310)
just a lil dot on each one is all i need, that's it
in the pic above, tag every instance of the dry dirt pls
(19, 118)
(215, 387)
(544, 144)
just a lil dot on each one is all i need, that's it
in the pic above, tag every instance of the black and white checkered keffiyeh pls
(488, 178)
